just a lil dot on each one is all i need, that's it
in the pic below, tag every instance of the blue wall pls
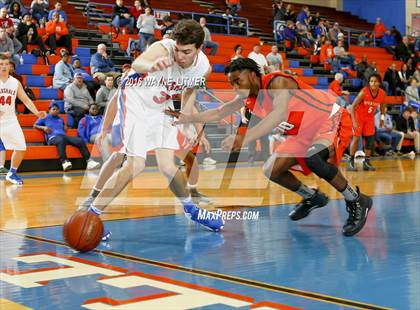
(392, 12)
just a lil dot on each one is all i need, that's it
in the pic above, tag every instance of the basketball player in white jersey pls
(167, 68)
(11, 133)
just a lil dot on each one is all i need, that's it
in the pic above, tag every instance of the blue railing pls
(278, 28)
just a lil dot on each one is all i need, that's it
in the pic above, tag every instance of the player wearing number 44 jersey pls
(318, 131)
(10, 131)
(363, 115)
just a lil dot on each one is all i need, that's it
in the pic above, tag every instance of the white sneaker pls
(209, 161)
(66, 165)
(182, 163)
(91, 164)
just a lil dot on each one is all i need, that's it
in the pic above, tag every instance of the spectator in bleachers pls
(319, 42)
(326, 55)
(341, 55)
(363, 39)
(57, 34)
(121, 17)
(289, 14)
(406, 124)
(412, 92)
(391, 77)
(6, 46)
(410, 67)
(387, 133)
(39, 10)
(55, 134)
(136, 10)
(274, 60)
(168, 27)
(403, 50)
(397, 35)
(208, 43)
(388, 42)
(146, 24)
(101, 65)
(27, 33)
(403, 77)
(333, 33)
(91, 84)
(369, 71)
(378, 30)
(290, 34)
(7, 23)
(63, 71)
(320, 29)
(259, 58)
(237, 52)
(77, 99)
(336, 89)
(278, 10)
(105, 93)
(62, 17)
(303, 16)
(304, 37)
(228, 18)
(89, 128)
(361, 67)
(15, 13)
(234, 5)
(416, 73)
(314, 20)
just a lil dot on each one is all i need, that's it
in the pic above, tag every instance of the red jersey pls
(369, 104)
(335, 87)
(307, 109)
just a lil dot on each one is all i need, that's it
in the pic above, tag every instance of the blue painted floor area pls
(381, 266)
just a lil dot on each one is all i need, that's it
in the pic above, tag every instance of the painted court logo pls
(228, 215)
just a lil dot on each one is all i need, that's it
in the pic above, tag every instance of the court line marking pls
(248, 208)
(219, 276)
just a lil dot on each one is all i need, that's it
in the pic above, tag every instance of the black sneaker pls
(367, 166)
(358, 211)
(303, 208)
(351, 166)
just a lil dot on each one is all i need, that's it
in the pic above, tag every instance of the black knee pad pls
(369, 142)
(316, 160)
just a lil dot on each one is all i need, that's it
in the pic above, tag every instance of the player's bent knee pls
(316, 160)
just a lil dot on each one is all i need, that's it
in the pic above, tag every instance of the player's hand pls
(232, 142)
(181, 117)
(355, 125)
(244, 120)
(161, 63)
(47, 129)
(100, 139)
(41, 114)
(205, 144)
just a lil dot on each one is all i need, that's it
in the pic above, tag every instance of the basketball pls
(83, 231)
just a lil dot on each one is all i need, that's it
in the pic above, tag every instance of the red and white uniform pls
(365, 112)
(10, 131)
(143, 98)
(312, 115)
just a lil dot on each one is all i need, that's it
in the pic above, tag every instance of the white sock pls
(304, 191)
(349, 193)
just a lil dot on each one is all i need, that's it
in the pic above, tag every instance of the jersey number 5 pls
(6, 100)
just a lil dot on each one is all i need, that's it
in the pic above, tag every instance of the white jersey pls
(143, 98)
(8, 92)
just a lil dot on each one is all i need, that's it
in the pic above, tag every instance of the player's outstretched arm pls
(21, 94)
(272, 120)
(110, 112)
(155, 58)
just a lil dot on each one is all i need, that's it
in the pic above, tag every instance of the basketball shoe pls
(210, 220)
(13, 178)
(303, 208)
(358, 212)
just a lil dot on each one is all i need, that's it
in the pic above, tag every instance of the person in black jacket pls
(121, 17)
(405, 124)
(28, 34)
(403, 51)
(391, 77)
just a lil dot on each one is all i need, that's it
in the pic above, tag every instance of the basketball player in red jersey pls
(363, 116)
(296, 107)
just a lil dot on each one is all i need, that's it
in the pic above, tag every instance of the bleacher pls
(38, 76)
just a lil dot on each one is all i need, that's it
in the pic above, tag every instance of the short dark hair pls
(241, 64)
(4, 57)
(408, 109)
(236, 47)
(377, 75)
(109, 75)
(188, 31)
